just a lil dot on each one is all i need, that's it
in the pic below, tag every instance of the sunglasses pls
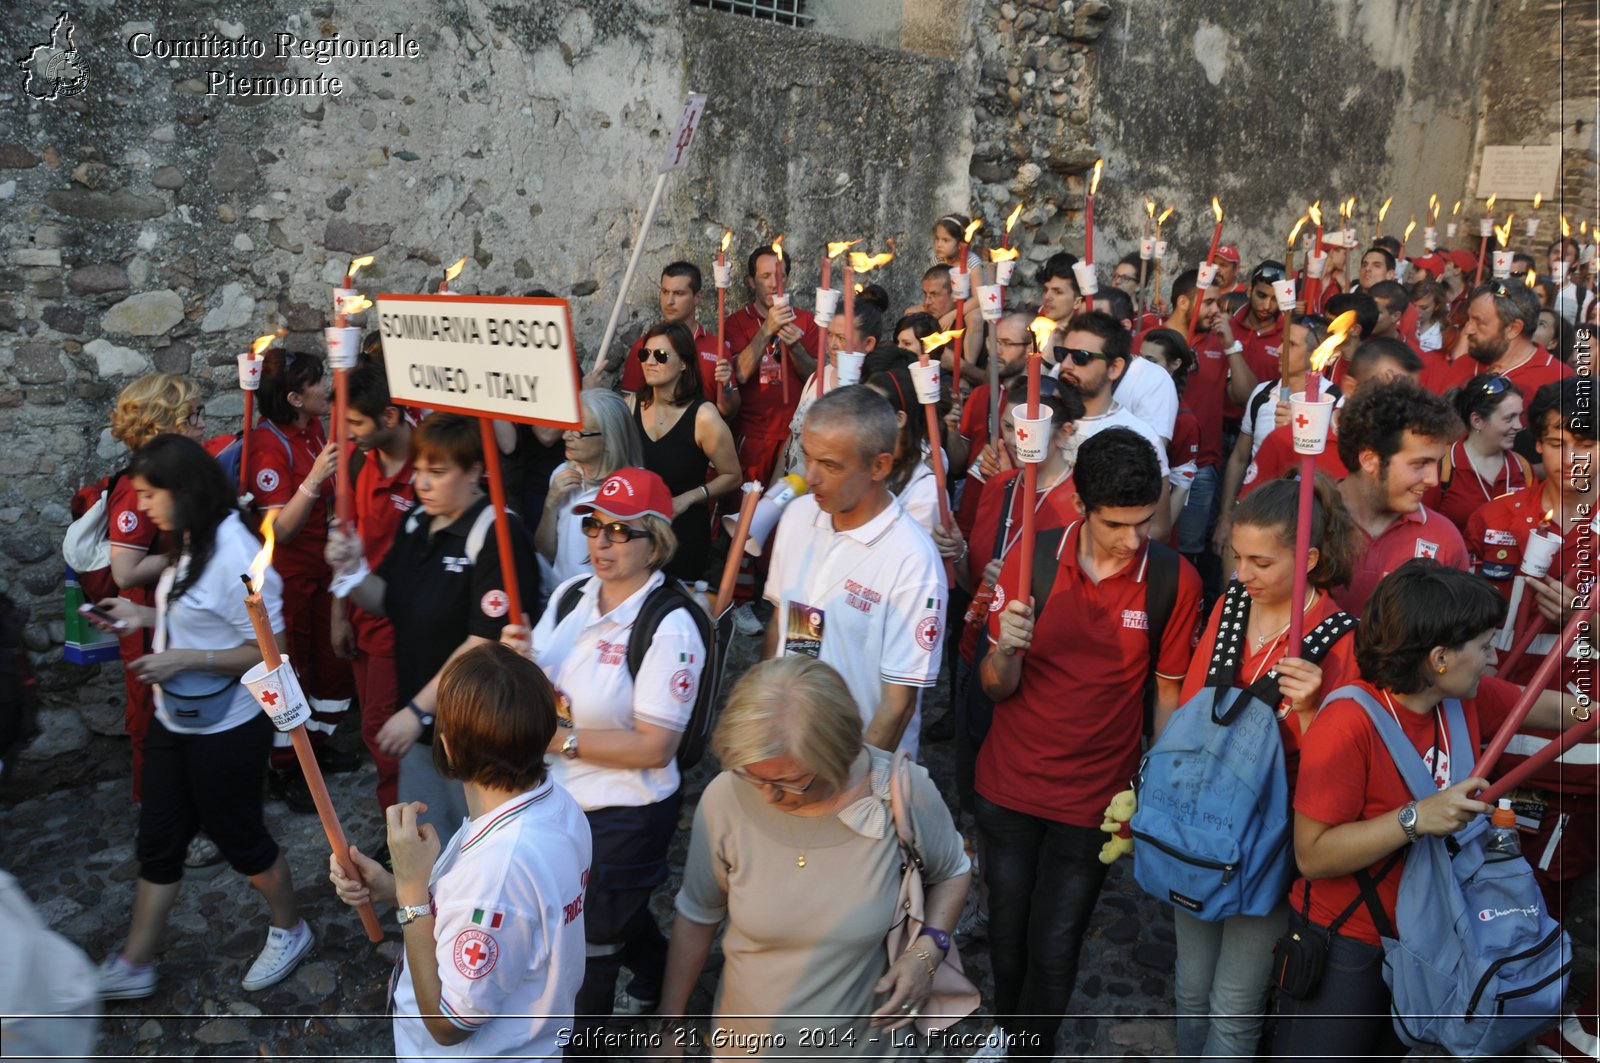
(788, 788)
(616, 532)
(1080, 356)
(648, 354)
(1495, 385)
(1267, 274)
(571, 434)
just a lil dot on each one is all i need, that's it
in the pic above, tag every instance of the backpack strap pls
(1316, 645)
(569, 599)
(1412, 770)
(479, 532)
(1367, 885)
(1160, 596)
(1005, 517)
(287, 449)
(1447, 468)
(1046, 559)
(1228, 649)
(656, 607)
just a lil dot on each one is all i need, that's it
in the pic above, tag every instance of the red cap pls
(1228, 253)
(630, 493)
(1466, 261)
(1433, 263)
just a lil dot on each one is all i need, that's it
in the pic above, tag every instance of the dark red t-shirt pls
(1067, 740)
(705, 343)
(1053, 509)
(1261, 350)
(763, 413)
(131, 529)
(1206, 394)
(1420, 534)
(280, 460)
(1537, 370)
(1277, 455)
(1466, 492)
(1348, 776)
(380, 504)
(1185, 445)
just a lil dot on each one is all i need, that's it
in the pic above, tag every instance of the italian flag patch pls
(685, 658)
(934, 604)
(484, 917)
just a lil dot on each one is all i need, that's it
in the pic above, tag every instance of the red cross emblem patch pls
(267, 480)
(1427, 549)
(928, 632)
(682, 685)
(127, 520)
(495, 604)
(475, 953)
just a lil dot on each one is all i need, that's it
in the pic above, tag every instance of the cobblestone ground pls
(67, 833)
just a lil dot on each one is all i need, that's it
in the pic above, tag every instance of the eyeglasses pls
(1125, 278)
(616, 531)
(1016, 343)
(1495, 385)
(660, 357)
(197, 419)
(573, 434)
(1080, 356)
(788, 788)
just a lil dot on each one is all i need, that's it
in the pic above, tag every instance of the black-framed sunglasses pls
(660, 357)
(616, 531)
(1080, 356)
(1497, 384)
(1268, 275)
(788, 788)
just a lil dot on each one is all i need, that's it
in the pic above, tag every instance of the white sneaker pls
(120, 980)
(993, 1047)
(283, 950)
(203, 852)
(745, 621)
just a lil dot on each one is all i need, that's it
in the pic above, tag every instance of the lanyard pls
(1009, 540)
(1441, 742)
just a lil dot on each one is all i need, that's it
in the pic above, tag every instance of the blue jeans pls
(1044, 878)
(1223, 972)
(1348, 1016)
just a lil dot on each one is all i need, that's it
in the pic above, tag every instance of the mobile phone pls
(101, 618)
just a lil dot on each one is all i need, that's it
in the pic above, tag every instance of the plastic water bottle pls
(1502, 842)
(702, 596)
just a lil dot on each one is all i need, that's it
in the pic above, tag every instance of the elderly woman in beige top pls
(794, 846)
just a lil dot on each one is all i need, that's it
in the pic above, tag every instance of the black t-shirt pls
(436, 596)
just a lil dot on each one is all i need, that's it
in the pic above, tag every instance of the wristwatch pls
(410, 913)
(941, 940)
(425, 717)
(1234, 348)
(1408, 820)
(569, 748)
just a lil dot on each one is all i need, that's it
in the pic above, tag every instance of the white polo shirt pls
(1120, 417)
(211, 616)
(881, 591)
(1147, 391)
(586, 658)
(508, 932)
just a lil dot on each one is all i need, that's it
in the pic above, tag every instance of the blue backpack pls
(1478, 966)
(231, 455)
(1213, 823)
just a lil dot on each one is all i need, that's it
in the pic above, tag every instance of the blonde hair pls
(791, 706)
(663, 540)
(152, 405)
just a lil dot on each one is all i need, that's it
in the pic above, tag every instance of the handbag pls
(953, 996)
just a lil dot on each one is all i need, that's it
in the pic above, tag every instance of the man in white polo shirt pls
(855, 580)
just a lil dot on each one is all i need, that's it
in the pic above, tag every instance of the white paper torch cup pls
(1540, 552)
(1308, 422)
(1316, 262)
(1033, 434)
(1485, 227)
(989, 302)
(343, 346)
(1147, 248)
(1502, 264)
(960, 284)
(925, 379)
(827, 302)
(1402, 270)
(1430, 238)
(250, 372)
(1003, 271)
(1088, 282)
(780, 300)
(279, 695)
(1558, 273)
(1350, 238)
(723, 274)
(1532, 227)
(850, 363)
(1207, 275)
(1284, 290)
(1161, 249)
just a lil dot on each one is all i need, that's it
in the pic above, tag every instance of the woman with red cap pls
(615, 751)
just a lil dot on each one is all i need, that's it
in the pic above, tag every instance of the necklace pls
(1262, 640)
(800, 850)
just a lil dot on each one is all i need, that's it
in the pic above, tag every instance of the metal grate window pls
(783, 12)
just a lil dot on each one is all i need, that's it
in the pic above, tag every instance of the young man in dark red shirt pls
(771, 344)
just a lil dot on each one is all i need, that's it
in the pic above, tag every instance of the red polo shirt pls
(1185, 445)
(276, 472)
(380, 504)
(1348, 776)
(1067, 740)
(1261, 349)
(1420, 534)
(1537, 370)
(1206, 394)
(1277, 455)
(1338, 669)
(1053, 509)
(1467, 492)
(763, 413)
(134, 530)
(705, 342)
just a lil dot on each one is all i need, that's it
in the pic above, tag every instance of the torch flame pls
(1433, 204)
(1583, 227)
(934, 340)
(1566, 229)
(1216, 208)
(1003, 254)
(1165, 215)
(1533, 279)
(1336, 333)
(1383, 210)
(864, 263)
(263, 558)
(356, 264)
(835, 249)
(727, 238)
(1538, 197)
(972, 227)
(1011, 219)
(1094, 180)
(777, 246)
(1150, 206)
(1042, 328)
(455, 271)
(1315, 210)
(351, 304)
(1455, 209)
(1489, 207)
(261, 343)
(1411, 227)
(1295, 232)
(1502, 233)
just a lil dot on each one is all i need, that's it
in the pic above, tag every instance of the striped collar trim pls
(509, 812)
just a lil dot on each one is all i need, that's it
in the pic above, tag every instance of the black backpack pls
(665, 599)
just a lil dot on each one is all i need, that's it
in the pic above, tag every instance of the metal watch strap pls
(409, 913)
(1408, 823)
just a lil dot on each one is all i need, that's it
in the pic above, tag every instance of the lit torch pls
(451, 274)
(1160, 250)
(1043, 329)
(723, 276)
(1011, 221)
(858, 264)
(927, 379)
(343, 345)
(779, 299)
(249, 381)
(1285, 292)
(1531, 226)
(828, 302)
(355, 267)
(1382, 213)
(1088, 212)
(1208, 273)
(278, 692)
(962, 285)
